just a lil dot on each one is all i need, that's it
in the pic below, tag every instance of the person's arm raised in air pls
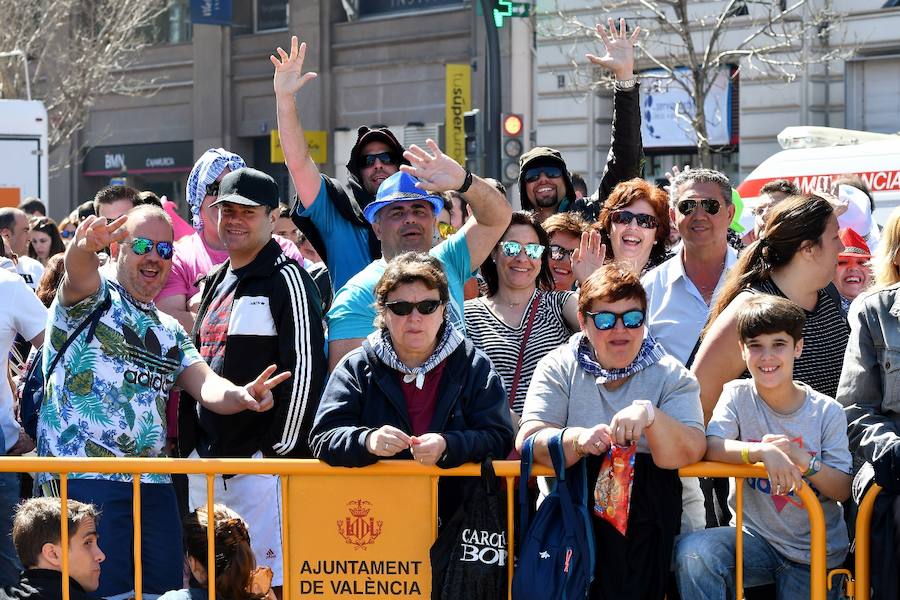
(82, 278)
(289, 78)
(491, 213)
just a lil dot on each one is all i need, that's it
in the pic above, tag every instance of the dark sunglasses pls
(142, 246)
(367, 160)
(710, 205)
(550, 172)
(401, 308)
(606, 320)
(512, 249)
(212, 189)
(559, 253)
(67, 233)
(624, 217)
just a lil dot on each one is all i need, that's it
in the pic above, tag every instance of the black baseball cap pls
(248, 187)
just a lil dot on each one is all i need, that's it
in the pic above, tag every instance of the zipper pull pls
(568, 559)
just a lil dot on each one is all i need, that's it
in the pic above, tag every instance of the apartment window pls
(271, 15)
(173, 26)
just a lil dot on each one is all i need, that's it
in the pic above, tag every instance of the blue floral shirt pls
(107, 396)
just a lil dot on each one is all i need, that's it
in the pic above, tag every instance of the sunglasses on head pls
(550, 172)
(367, 160)
(559, 253)
(142, 246)
(401, 308)
(512, 249)
(446, 229)
(710, 205)
(67, 233)
(212, 189)
(624, 217)
(605, 320)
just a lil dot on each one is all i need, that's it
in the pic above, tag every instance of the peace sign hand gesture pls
(95, 234)
(257, 395)
(619, 57)
(289, 75)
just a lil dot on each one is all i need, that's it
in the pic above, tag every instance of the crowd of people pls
(410, 313)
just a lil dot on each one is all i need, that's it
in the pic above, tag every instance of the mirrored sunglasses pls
(559, 253)
(512, 249)
(142, 246)
(625, 217)
(710, 205)
(67, 233)
(402, 308)
(605, 320)
(446, 229)
(367, 160)
(550, 172)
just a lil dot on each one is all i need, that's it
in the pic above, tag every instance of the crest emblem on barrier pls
(359, 529)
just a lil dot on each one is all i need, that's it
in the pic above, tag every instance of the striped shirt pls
(825, 336)
(502, 343)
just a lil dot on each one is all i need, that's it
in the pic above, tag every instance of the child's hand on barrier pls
(784, 476)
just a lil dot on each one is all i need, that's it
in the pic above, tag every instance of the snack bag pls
(612, 492)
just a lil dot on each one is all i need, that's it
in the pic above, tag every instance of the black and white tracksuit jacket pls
(276, 318)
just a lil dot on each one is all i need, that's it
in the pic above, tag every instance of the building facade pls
(380, 62)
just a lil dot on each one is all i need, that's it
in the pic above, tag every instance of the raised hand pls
(589, 256)
(619, 57)
(436, 171)
(95, 234)
(289, 75)
(259, 391)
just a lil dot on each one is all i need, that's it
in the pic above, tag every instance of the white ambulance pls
(814, 156)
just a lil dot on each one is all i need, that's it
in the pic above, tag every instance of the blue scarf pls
(651, 352)
(383, 347)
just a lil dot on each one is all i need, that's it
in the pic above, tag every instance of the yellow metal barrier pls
(861, 585)
(313, 468)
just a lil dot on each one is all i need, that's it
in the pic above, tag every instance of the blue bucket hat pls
(400, 187)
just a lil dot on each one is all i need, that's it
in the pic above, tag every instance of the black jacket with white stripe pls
(276, 318)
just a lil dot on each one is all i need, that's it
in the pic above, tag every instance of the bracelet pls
(814, 466)
(745, 455)
(467, 183)
(626, 85)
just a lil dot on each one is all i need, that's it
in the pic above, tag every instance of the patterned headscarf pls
(206, 170)
(383, 346)
(650, 352)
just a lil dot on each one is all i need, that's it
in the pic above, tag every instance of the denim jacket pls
(869, 388)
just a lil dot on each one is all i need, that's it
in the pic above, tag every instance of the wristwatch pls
(814, 466)
(625, 85)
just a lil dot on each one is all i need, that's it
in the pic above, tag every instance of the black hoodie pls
(42, 584)
(350, 199)
(623, 162)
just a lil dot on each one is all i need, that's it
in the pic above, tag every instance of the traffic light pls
(472, 128)
(513, 128)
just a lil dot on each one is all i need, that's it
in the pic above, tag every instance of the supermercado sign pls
(351, 537)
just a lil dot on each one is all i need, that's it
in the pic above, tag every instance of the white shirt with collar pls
(676, 310)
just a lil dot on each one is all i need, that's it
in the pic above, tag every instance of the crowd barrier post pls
(862, 584)
(508, 470)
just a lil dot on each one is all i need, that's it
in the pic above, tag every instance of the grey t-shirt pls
(564, 394)
(820, 426)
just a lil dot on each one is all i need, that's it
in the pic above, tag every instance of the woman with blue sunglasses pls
(522, 317)
(612, 384)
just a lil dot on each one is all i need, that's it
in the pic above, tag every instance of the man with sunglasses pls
(106, 393)
(545, 184)
(403, 217)
(328, 212)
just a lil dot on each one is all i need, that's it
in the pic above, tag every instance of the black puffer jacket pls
(42, 584)
(623, 162)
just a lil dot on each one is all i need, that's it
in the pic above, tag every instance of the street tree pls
(688, 43)
(77, 51)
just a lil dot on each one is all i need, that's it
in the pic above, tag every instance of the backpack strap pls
(90, 322)
(524, 473)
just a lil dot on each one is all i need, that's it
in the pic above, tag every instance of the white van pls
(23, 146)
(814, 156)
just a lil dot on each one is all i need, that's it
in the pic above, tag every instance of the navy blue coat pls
(363, 394)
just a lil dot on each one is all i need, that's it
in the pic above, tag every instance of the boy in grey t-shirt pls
(801, 436)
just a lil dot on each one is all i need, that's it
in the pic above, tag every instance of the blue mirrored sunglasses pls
(605, 320)
(512, 249)
(141, 246)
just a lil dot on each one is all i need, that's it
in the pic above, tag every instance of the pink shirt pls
(194, 259)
